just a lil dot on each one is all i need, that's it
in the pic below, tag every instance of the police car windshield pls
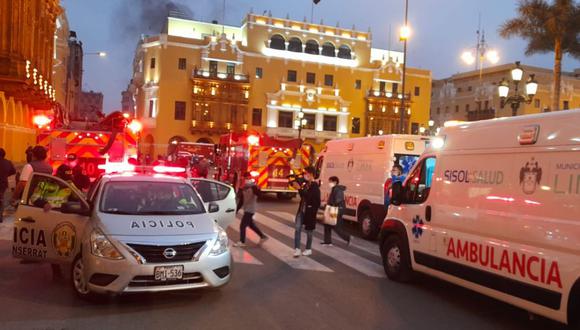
(150, 198)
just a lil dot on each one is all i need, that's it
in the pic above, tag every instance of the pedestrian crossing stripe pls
(343, 256)
(368, 247)
(284, 253)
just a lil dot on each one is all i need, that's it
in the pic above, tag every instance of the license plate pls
(165, 273)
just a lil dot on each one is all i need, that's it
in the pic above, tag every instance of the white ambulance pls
(363, 166)
(494, 206)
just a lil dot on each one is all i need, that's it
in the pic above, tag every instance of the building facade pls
(196, 81)
(89, 106)
(27, 30)
(467, 97)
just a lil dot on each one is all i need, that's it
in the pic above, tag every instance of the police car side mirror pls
(397, 193)
(213, 208)
(75, 208)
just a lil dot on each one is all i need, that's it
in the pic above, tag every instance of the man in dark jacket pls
(336, 198)
(307, 211)
(6, 169)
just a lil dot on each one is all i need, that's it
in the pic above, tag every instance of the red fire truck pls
(269, 160)
(114, 139)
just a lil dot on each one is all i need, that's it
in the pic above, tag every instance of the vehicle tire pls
(285, 196)
(79, 282)
(369, 228)
(574, 307)
(396, 259)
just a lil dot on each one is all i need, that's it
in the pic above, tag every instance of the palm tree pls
(547, 26)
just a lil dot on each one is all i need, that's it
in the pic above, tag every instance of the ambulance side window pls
(419, 182)
(318, 167)
(47, 190)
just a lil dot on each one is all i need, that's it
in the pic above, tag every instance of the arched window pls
(328, 49)
(312, 47)
(295, 45)
(344, 52)
(278, 42)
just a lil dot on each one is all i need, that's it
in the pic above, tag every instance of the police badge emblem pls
(64, 239)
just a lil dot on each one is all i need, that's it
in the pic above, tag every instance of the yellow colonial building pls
(27, 51)
(197, 80)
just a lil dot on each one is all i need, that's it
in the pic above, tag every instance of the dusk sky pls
(442, 30)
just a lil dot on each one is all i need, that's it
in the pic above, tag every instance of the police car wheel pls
(396, 260)
(368, 227)
(78, 279)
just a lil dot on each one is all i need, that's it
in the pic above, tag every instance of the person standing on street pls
(6, 170)
(248, 201)
(307, 211)
(336, 198)
(79, 176)
(37, 165)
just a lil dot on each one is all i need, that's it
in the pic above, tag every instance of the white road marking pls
(348, 258)
(359, 243)
(241, 256)
(285, 253)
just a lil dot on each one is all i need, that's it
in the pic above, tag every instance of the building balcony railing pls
(387, 95)
(217, 127)
(480, 114)
(305, 134)
(223, 76)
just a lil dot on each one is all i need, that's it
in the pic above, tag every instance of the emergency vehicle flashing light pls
(254, 174)
(253, 140)
(135, 126)
(117, 167)
(41, 120)
(437, 142)
(168, 169)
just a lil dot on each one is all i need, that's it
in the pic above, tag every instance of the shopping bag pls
(330, 215)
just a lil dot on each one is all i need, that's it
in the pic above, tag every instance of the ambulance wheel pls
(396, 259)
(78, 280)
(574, 307)
(368, 227)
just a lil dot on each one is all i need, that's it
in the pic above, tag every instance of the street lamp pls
(99, 54)
(481, 54)
(515, 100)
(300, 122)
(404, 35)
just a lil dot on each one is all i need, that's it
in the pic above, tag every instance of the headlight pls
(102, 247)
(221, 243)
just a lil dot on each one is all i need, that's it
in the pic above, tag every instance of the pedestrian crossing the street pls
(281, 223)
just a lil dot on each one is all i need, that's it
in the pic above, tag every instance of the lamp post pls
(517, 98)
(99, 54)
(299, 122)
(405, 33)
(482, 53)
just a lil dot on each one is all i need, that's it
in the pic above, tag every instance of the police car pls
(494, 206)
(133, 233)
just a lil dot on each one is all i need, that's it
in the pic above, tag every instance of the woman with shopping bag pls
(333, 213)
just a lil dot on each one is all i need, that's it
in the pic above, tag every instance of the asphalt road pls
(337, 288)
